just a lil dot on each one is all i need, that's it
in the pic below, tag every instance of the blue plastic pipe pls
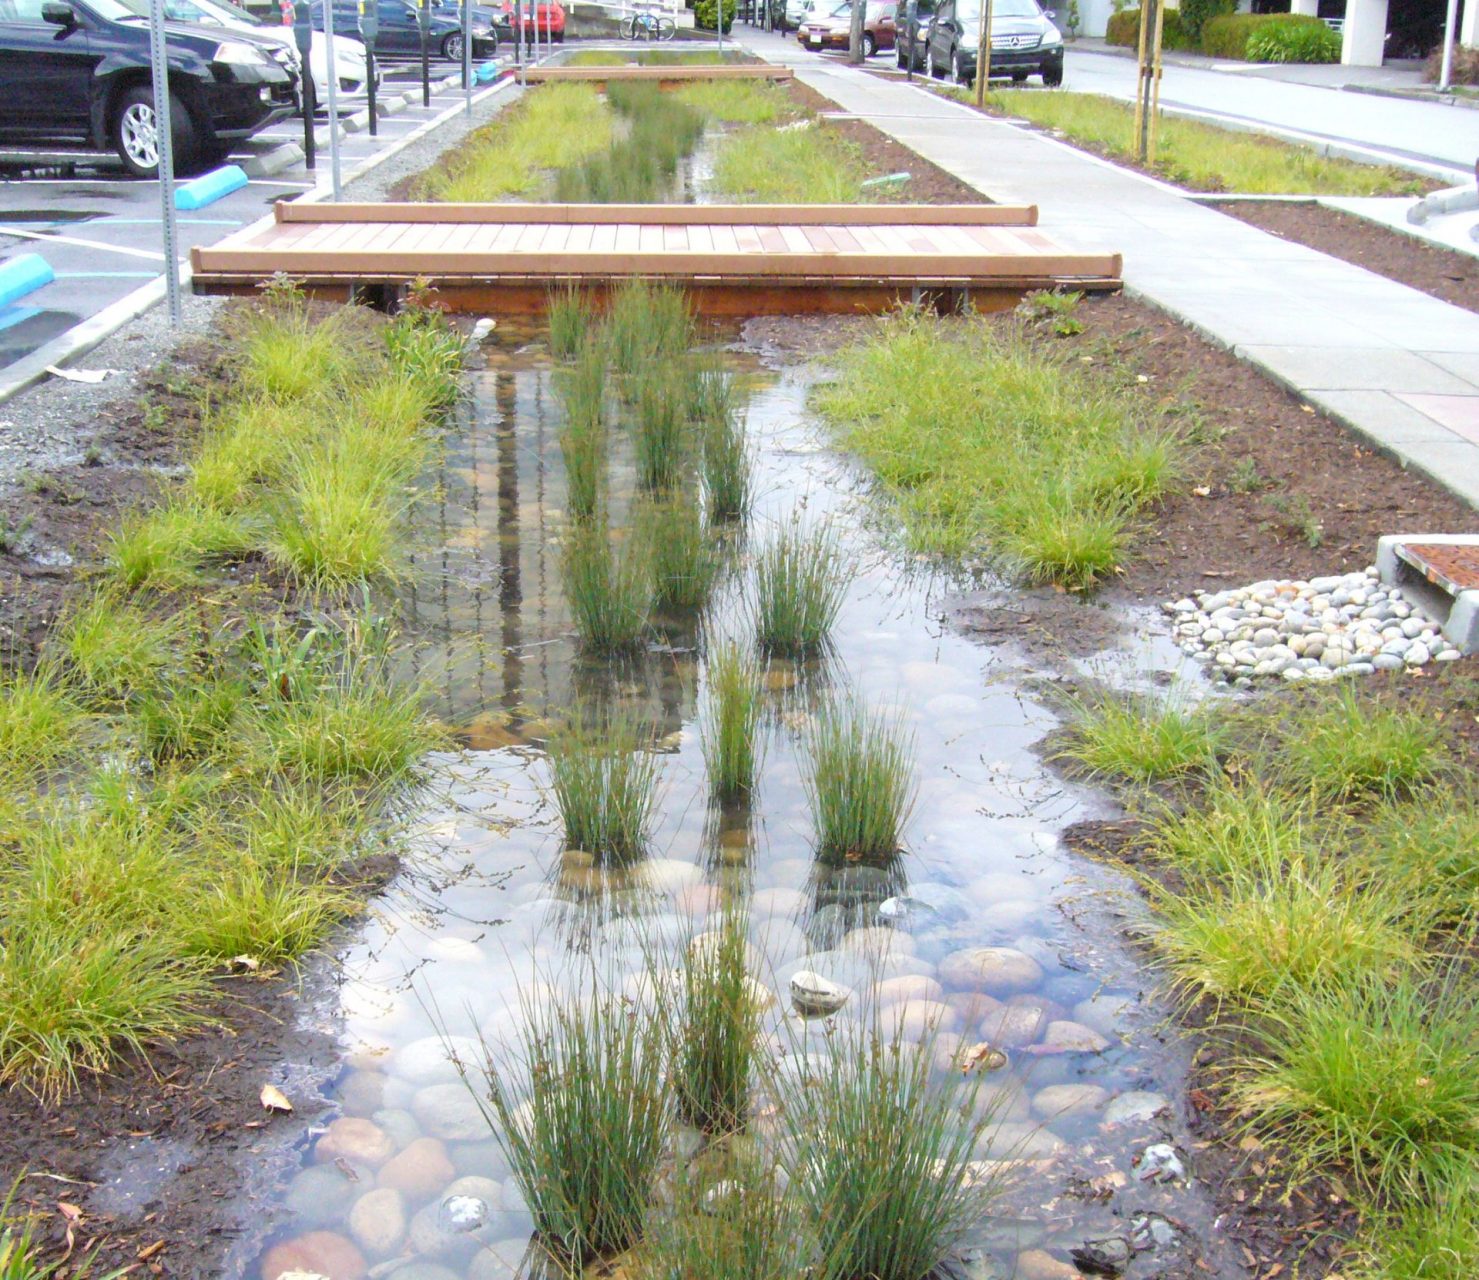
(210, 187)
(23, 275)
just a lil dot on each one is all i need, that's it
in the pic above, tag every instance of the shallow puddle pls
(492, 907)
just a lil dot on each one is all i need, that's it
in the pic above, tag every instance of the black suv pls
(77, 72)
(1024, 41)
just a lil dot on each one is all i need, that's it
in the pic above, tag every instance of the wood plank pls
(741, 214)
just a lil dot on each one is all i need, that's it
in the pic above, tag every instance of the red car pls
(832, 29)
(548, 23)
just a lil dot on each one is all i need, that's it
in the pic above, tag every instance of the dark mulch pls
(1445, 274)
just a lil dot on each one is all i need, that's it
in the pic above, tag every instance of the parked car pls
(77, 72)
(912, 31)
(400, 29)
(833, 29)
(548, 21)
(1024, 41)
(349, 53)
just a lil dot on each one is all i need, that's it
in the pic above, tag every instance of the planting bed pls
(1442, 273)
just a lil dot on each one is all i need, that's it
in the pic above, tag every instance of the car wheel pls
(136, 135)
(870, 45)
(452, 47)
(961, 77)
(1052, 74)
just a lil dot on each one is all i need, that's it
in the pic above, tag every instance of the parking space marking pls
(106, 275)
(85, 244)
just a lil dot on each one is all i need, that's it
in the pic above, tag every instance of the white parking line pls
(85, 244)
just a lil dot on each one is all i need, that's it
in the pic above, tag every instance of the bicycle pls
(648, 26)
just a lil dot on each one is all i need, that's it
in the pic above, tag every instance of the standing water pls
(409, 1181)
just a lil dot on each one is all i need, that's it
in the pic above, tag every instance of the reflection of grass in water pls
(604, 780)
(800, 579)
(882, 1160)
(635, 169)
(725, 450)
(860, 781)
(570, 322)
(582, 388)
(580, 1108)
(733, 706)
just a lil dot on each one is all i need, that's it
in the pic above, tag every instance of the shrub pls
(1228, 36)
(800, 578)
(1124, 29)
(605, 783)
(717, 1038)
(1293, 42)
(1195, 14)
(1143, 741)
(705, 10)
(1465, 68)
(733, 705)
(860, 783)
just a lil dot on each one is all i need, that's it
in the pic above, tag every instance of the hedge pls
(1294, 42)
(1124, 29)
(1195, 14)
(705, 11)
(1227, 37)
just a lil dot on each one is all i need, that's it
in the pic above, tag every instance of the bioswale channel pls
(492, 908)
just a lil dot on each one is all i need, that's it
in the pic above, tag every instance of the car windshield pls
(217, 13)
(970, 13)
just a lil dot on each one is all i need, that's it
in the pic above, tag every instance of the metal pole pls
(467, 53)
(911, 16)
(303, 35)
(983, 55)
(165, 144)
(370, 71)
(1450, 26)
(423, 24)
(333, 77)
(369, 31)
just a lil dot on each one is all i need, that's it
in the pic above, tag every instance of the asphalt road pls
(101, 230)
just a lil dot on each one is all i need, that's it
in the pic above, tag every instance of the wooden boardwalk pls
(734, 259)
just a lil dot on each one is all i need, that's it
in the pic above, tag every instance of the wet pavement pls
(491, 912)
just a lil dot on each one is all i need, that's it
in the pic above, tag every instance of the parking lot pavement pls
(101, 231)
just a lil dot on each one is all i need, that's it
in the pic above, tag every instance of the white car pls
(349, 54)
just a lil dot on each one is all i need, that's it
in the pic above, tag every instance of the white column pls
(1468, 24)
(1365, 36)
(1309, 8)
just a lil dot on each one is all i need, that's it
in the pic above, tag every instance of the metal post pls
(467, 53)
(165, 145)
(1450, 27)
(911, 16)
(983, 55)
(370, 71)
(333, 77)
(303, 35)
(423, 25)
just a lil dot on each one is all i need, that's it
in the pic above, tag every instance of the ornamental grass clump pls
(716, 1032)
(1428, 844)
(40, 720)
(733, 703)
(681, 553)
(1141, 740)
(1344, 747)
(800, 580)
(660, 432)
(604, 780)
(609, 591)
(581, 1110)
(648, 322)
(860, 782)
(582, 435)
(881, 1158)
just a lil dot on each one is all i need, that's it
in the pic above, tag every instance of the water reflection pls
(967, 933)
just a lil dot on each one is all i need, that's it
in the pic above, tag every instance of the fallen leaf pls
(248, 963)
(1202, 490)
(274, 1099)
(148, 1251)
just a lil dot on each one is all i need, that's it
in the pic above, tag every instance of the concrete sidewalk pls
(1396, 366)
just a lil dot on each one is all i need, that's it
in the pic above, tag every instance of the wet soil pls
(1445, 274)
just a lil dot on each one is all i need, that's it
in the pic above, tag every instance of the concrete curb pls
(274, 161)
(85, 337)
(1416, 95)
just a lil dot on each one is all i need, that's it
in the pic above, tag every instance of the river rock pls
(400, 1125)
(1107, 1256)
(909, 986)
(1072, 1037)
(777, 902)
(1160, 1162)
(323, 1253)
(418, 1269)
(430, 1059)
(1014, 1026)
(1105, 1013)
(355, 1140)
(995, 970)
(1038, 1264)
(972, 1006)
(450, 1112)
(481, 1159)
(1068, 1100)
(815, 996)
(876, 940)
(488, 1190)
(1011, 1140)
(914, 1020)
(667, 875)
(462, 1215)
(419, 1171)
(1136, 1107)
(501, 1261)
(378, 1221)
(362, 1093)
(319, 1194)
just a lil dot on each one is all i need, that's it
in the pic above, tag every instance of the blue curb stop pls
(22, 275)
(210, 187)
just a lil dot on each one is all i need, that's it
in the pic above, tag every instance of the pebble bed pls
(1342, 625)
